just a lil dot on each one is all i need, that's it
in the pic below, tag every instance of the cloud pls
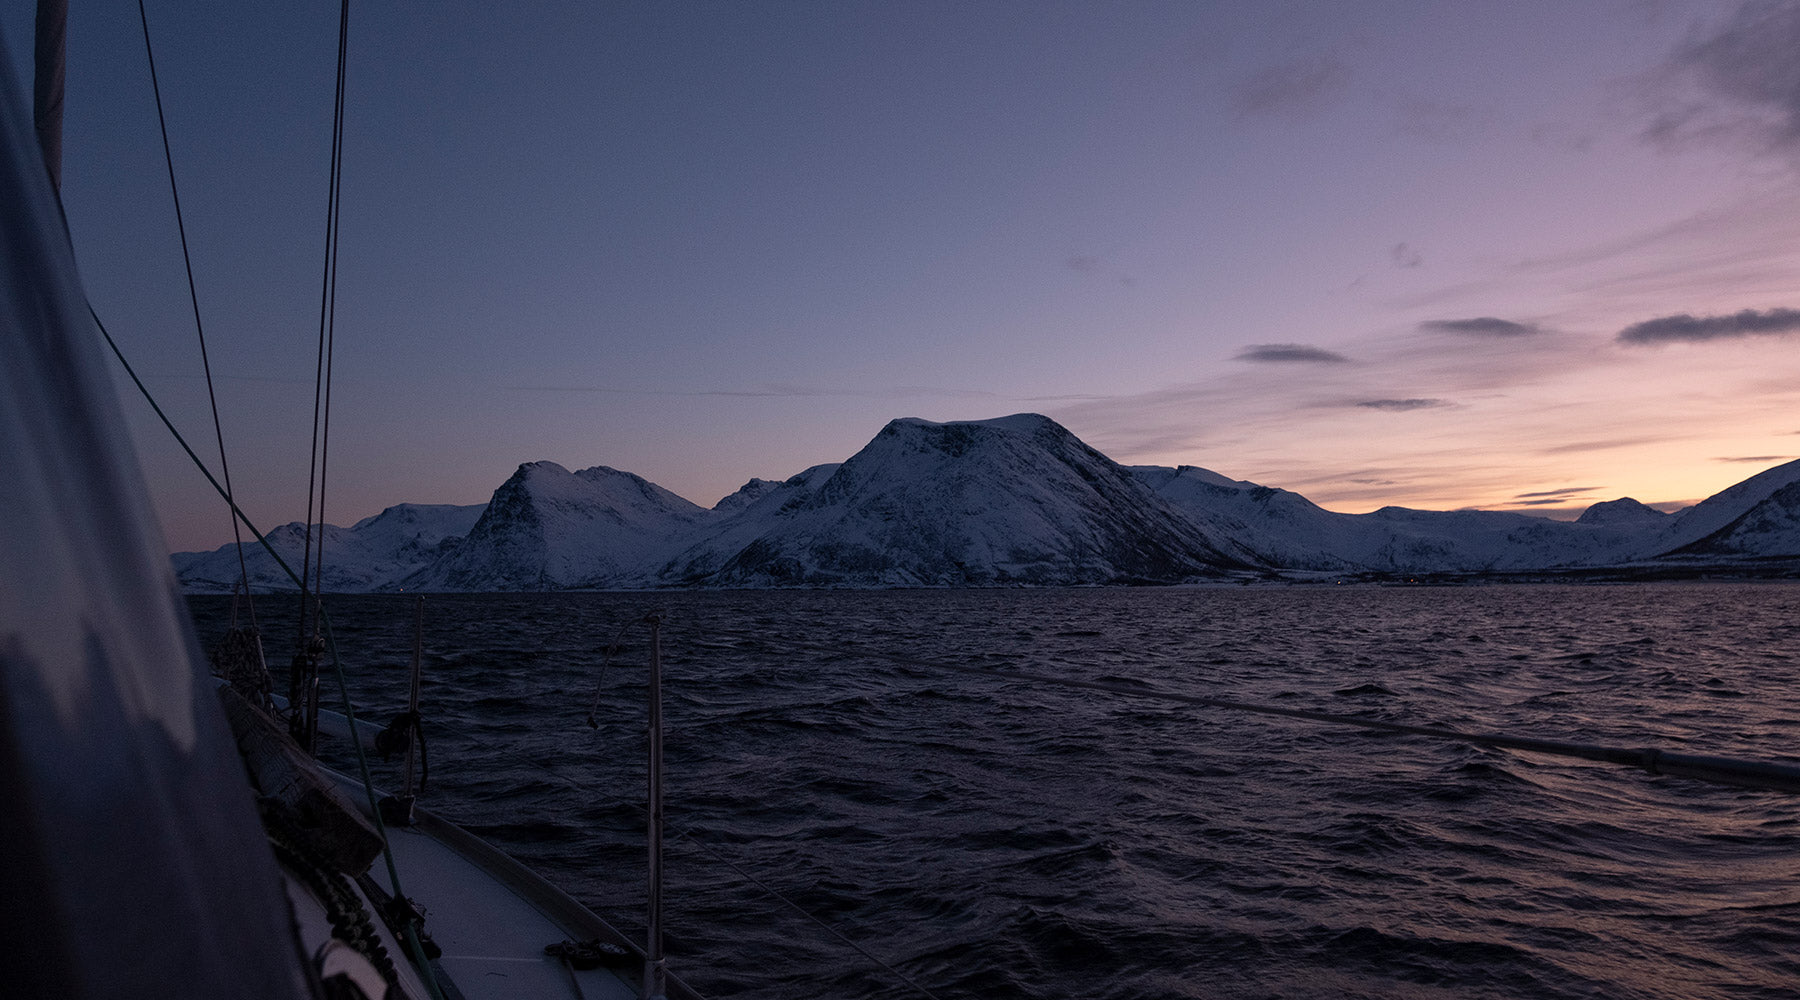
(1683, 327)
(1533, 503)
(1738, 83)
(1404, 256)
(1404, 404)
(775, 391)
(1564, 492)
(772, 391)
(1579, 446)
(1067, 397)
(1480, 326)
(1754, 458)
(1294, 89)
(1084, 264)
(1289, 352)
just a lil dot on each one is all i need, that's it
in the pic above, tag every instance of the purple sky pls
(1522, 255)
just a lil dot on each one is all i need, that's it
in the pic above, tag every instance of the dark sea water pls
(996, 838)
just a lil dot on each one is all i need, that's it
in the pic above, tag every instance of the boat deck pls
(492, 937)
(493, 917)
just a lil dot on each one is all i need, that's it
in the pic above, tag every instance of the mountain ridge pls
(1011, 501)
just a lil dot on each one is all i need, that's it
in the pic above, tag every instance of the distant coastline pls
(1015, 501)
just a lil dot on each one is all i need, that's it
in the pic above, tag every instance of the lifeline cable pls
(687, 833)
(612, 649)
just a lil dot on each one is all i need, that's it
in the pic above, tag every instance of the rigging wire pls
(325, 619)
(193, 298)
(321, 425)
(328, 309)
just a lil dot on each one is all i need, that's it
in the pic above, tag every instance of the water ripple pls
(997, 838)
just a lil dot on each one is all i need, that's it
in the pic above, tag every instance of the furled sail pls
(132, 861)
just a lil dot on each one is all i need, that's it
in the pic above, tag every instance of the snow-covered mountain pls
(550, 529)
(1016, 500)
(1758, 518)
(746, 495)
(1623, 511)
(368, 555)
(1287, 531)
(1012, 501)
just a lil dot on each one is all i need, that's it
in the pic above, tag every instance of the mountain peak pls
(1024, 423)
(958, 437)
(1624, 510)
(1013, 500)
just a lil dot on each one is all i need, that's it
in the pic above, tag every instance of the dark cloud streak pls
(1685, 328)
(1404, 404)
(1480, 326)
(1581, 446)
(1286, 353)
(1564, 492)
